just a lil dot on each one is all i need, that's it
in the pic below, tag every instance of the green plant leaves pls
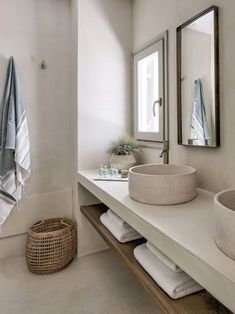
(124, 146)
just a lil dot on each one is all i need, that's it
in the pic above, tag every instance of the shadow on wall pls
(107, 12)
(104, 77)
(106, 9)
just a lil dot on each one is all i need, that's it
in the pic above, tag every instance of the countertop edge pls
(209, 277)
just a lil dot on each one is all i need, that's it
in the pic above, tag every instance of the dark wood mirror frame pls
(216, 76)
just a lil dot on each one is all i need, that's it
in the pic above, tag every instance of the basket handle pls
(65, 223)
(37, 224)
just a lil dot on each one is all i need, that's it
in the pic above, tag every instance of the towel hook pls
(43, 65)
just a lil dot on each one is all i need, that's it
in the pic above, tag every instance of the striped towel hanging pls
(14, 144)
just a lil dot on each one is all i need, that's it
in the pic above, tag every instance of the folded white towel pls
(176, 285)
(122, 234)
(117, 219)
(163, 257)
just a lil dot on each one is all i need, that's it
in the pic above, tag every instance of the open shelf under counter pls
(199, 303)
(183, 232)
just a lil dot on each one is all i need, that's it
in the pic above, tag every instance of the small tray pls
(119, 178)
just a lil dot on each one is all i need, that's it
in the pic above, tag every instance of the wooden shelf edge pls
(199, 303)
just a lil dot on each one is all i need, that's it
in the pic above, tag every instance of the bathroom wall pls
(216, 167)
(104, 93)
(32, 30)
(104, 65)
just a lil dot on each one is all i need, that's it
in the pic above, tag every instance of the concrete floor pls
(94, 284)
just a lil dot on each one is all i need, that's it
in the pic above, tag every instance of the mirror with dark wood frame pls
(198, 80)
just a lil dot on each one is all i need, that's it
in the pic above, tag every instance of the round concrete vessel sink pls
(162, 184)
(224, 221)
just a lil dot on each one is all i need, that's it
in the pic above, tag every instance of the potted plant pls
(122, 152)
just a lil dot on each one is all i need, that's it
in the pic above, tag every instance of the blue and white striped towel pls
(14, 144)
(199, 126)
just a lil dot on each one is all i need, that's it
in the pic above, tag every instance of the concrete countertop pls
(183, 232)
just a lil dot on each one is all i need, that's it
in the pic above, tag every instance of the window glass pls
(148, 92)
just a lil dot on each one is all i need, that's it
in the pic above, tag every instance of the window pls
(149, 97)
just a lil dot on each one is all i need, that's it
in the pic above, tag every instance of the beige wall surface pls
(32, 30)
(104, 92)
(104, 89)
(216, 167)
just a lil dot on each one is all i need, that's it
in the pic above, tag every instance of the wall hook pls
(43, 65)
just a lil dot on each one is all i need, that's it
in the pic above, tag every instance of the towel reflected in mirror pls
(200, 134)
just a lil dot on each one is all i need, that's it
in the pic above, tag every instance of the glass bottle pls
(115, 171)
(101, 171)
(105, 172)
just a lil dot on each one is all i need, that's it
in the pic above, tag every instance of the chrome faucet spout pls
(165, 149)
(162, 153)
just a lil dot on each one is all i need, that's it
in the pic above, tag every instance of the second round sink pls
(162, 184)
(224, 221)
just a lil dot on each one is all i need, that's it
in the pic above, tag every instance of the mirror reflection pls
(198, 100)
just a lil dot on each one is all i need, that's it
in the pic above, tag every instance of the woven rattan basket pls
(51, 245)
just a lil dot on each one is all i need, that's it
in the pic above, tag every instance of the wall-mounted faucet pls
(164, 152)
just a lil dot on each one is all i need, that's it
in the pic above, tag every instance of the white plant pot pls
(124, 162)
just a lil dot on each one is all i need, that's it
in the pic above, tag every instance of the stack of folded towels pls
(118, 227)
(164, 272)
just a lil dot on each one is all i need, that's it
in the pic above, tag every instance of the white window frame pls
(159, 44)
